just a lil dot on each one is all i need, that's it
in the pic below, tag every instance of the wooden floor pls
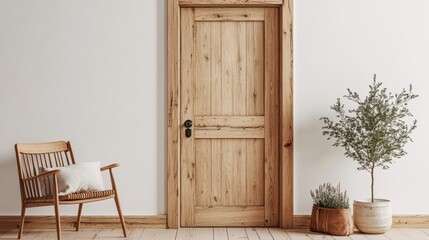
(214, 234)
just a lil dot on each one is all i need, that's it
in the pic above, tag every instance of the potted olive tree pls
(331, 212)
(373, 133)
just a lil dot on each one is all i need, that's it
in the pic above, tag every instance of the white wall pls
(339, 44)
(93, 72)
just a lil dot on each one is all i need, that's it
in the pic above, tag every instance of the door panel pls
(271, 73)
(230, 216)
(229, 89)
(187, 145)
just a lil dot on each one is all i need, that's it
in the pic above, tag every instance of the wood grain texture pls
(203, 179)
(255, 68)
(229, 73)
(259, 3)
(395, 233)
(187, 112)
(279, 234)
(229, 121)
(220, 234)
(240, 109)
(87, 222)
(252, 234)
(236, 233)
(174, 101)
(216, 109)
(155, 234)
(255, 172)
(213, 233)
(258, 234)
(173, 112)
(39, 148)
(202, 102)
(411, 221)
(230, 132)
(399, 221)
(194, 233)
(255, 107)
(271, 116)
(230, 215)
(233, 75)
(301, 221)
(412, 233)
(286, 111)
(229, 14)
(202, 90)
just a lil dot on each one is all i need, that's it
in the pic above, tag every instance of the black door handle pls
(188, 130)
(188, 123)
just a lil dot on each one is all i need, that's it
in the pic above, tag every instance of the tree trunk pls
(372, 184)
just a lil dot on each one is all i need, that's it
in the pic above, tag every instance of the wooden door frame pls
(286, 104)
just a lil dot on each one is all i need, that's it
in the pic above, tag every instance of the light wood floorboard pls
(358, 236)
(220, 234)
(167, 234)
(414, 233)
(214, 234)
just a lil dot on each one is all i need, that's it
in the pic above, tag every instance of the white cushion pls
(80, 177)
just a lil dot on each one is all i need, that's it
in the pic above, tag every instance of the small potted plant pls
(373, 133)
(331, 212)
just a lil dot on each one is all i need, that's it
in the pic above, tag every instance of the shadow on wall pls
(161, 141)
(9, 182)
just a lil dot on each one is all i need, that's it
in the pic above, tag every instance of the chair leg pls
(57, 207)
(58, 220)
(21, 225)
(118, 207)
(79, 216)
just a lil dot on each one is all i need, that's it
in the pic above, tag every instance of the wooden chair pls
(31, 158)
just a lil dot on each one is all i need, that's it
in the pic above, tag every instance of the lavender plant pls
(327, 196)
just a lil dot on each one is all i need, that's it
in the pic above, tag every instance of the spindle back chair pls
(40, 188)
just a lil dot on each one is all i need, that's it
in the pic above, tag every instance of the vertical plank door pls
(229, 90)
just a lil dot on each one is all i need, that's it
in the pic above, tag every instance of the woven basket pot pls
(372, 217)
(338, 222)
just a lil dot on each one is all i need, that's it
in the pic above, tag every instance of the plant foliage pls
(328, 196)
(375, 132)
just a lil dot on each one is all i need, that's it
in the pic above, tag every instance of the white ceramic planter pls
(372, 217)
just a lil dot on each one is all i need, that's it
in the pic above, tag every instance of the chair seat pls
(74, 196)
(87, 195)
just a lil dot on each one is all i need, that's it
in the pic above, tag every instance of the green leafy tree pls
(376, 131)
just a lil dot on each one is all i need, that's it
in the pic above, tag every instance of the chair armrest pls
(113, 165)
(45, 174)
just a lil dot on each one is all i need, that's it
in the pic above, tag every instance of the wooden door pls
(229, 90)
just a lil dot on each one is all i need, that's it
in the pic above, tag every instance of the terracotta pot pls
(372, 217)
(332, 221)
